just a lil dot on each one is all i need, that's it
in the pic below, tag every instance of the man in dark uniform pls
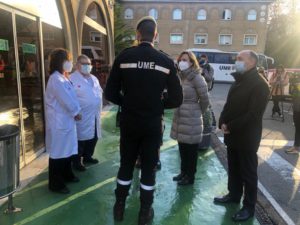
(136, 83)
(241, 123)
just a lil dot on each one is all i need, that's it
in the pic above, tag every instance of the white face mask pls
(86, 69)
(240, 67)
(183, 65)
(68, 66)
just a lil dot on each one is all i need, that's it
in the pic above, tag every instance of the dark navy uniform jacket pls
(137, 80)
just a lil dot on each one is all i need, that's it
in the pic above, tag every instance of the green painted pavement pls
(91, 200)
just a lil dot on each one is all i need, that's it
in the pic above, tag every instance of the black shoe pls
(243, 214)
(63, 190)
(186, 180)
(90, 160)
(72, 180)
(119, 209)
(145, 216)
(79, 167)
(158, 165)
(178, 177)
(226, 199)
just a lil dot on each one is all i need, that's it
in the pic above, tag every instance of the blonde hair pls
(192, 59)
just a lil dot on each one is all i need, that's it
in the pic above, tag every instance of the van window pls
(224, 58)
(210, 55)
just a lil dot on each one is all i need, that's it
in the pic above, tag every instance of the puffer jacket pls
(187, 126)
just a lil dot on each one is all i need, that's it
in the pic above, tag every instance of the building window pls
(153, 13)
(177, 14)
(250, 39)
(95, 36)
(201, 14)
(176, 38)
(200, 39)
(227, 15)
(225, 39)
(128, 15)
(252, 14)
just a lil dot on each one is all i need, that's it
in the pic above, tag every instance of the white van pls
(92, 52)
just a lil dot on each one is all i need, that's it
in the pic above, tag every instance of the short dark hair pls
(57, 58)
(147, 29)
(203, 56)
(254, 56)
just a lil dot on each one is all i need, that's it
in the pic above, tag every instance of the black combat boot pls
(119, 209)
(145, 216)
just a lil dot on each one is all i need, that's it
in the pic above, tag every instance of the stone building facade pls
(224, 25)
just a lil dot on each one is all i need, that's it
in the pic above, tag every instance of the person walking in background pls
(209, 119)
(89, 94)
(278, 81)
(241, 123)
(187, 126)
(207, 71)
(62, 111)
(295, 92)
(138, 78)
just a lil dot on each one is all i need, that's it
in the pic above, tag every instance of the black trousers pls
(138, 138)
(189, 158)
(86, 148)
(60, 172)
(242, 175)
(276, 100)
(296, 118)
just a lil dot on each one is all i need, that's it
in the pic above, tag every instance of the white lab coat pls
(90, 99)
(61, 107)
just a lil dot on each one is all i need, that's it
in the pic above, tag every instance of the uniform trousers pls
(138, 137)
(60, 172)
(242, 175)
(189, 157)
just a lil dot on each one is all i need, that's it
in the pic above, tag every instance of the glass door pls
(9, 101)
(27, 33)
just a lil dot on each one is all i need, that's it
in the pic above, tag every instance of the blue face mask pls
(86, 69)
(202, 62)
(240, 67)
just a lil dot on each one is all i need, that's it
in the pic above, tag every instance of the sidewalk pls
(91, 200)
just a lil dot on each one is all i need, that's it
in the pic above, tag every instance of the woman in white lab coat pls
(89, 94)
(62, 112)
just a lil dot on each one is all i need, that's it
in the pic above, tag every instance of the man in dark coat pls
(241, 123)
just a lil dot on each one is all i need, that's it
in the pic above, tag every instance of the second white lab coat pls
(90, 99)
(61, 106)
